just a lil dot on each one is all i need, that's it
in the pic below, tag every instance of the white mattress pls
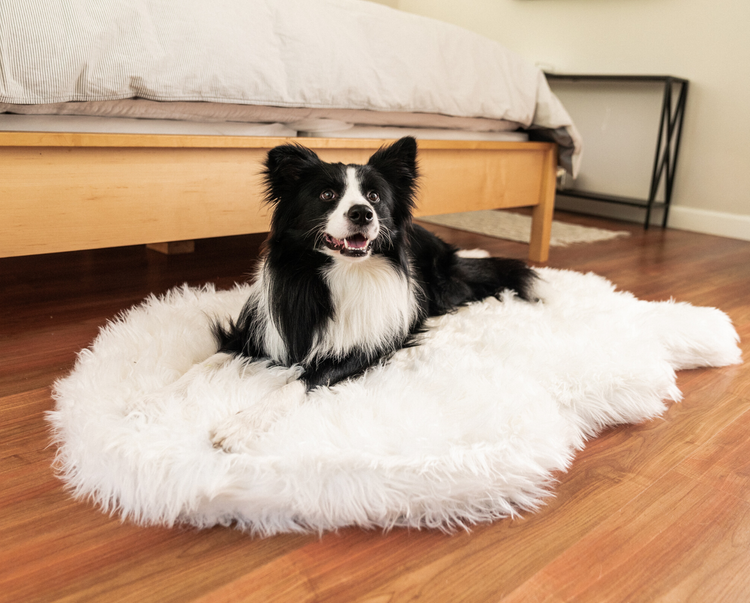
(314, 128)
(297, 118)
(358, 131)
(120, 125)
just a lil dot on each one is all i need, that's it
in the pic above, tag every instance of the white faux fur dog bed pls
(467, 427)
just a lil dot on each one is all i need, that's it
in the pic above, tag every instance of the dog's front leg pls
(238, 432)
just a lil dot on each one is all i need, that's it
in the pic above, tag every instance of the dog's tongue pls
(358, 241)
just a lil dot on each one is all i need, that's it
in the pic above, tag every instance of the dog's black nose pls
(360, 214)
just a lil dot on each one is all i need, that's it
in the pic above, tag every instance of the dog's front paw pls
(239, 432)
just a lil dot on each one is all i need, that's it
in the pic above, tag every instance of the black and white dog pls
(347, 278)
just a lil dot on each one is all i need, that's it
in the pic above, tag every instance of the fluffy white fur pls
(470, 426)
(360, 291)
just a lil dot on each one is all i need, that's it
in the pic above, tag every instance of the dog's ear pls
(397, 163)
(284, 165)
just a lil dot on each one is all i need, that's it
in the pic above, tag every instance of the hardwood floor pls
(651, 512)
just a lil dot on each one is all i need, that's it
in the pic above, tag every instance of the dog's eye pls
(328, 195)
(373, 197)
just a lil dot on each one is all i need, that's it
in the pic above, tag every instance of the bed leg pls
(173, 247)
(541, 217)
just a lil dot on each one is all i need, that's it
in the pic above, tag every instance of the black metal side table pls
(667, 146)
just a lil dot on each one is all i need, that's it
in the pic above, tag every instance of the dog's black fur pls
(291, 313)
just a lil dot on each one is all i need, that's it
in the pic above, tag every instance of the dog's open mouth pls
(355, 246)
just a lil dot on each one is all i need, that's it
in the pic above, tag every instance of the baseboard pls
(605, 210)
(733, 226)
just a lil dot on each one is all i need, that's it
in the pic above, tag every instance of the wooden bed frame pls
(68, 191)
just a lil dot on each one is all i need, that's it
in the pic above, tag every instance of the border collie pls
(347, 279)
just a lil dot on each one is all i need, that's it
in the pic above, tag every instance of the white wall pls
(705, 42)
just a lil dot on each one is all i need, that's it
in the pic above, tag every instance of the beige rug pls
(517, 227)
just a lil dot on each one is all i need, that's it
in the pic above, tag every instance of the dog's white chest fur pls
(374, 305)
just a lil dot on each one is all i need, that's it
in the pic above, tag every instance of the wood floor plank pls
(690, 552)
(103, 559)
(724, 461)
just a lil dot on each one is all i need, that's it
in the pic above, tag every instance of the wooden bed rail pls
(70, 191)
